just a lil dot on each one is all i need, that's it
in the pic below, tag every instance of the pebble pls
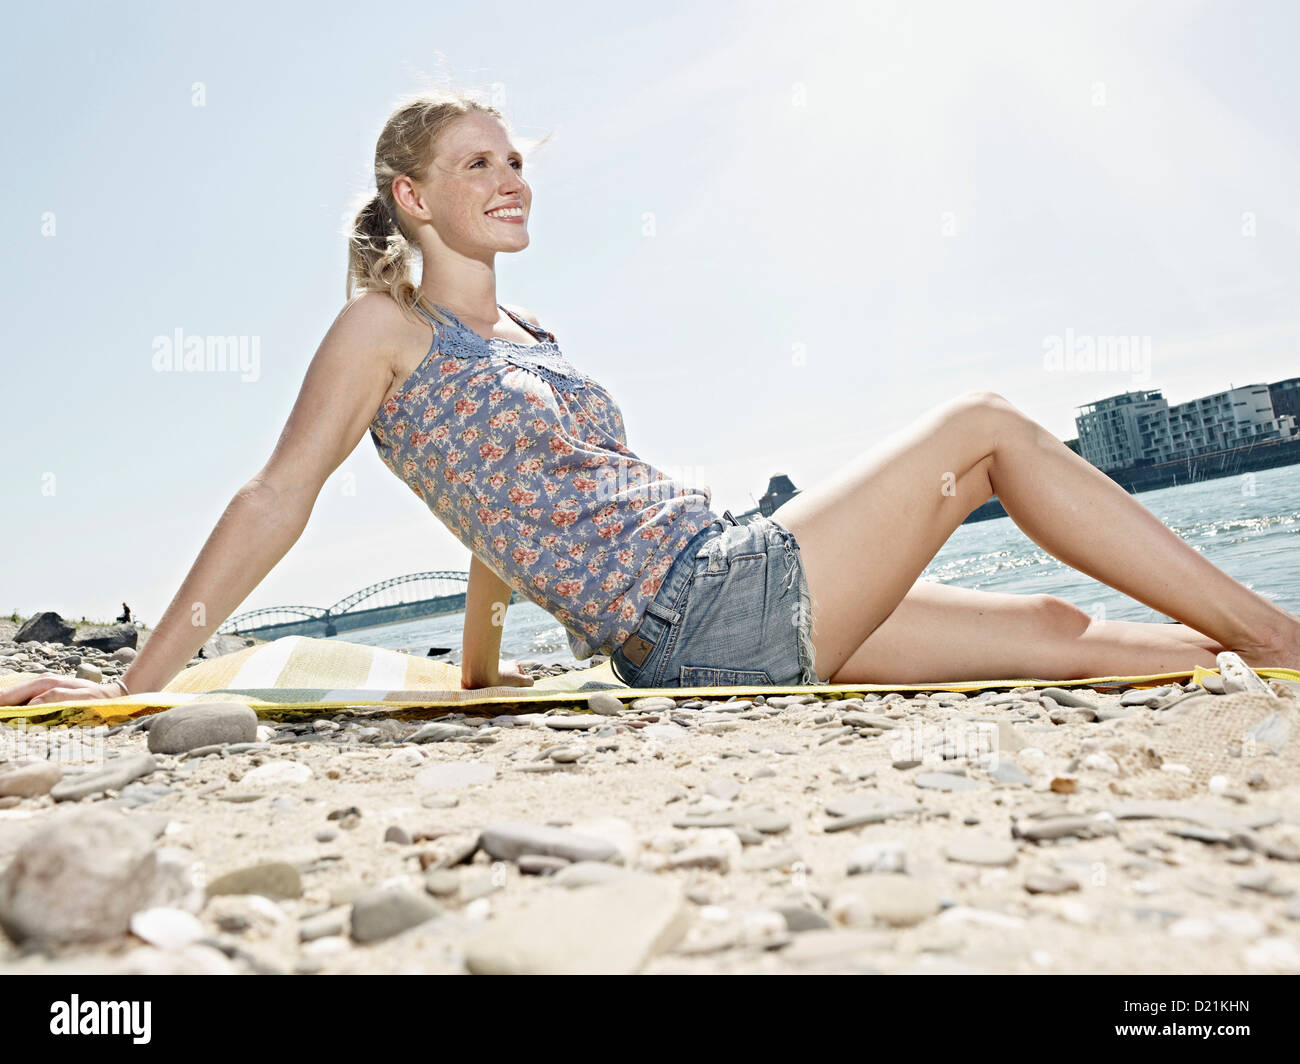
(589, 873)
(440, 733)
(605, 704)
(1062, 697)
(114, 775)
(271, 879)
(29, 780)
(1009, 773)
(167, 928)
(1049, 884)
(898, 901)
(202, 724)
(610, 929)
(507, 840)
(387, 911)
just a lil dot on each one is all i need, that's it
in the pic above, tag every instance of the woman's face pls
(475, 192)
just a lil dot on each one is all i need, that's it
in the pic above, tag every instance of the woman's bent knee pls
(1060, 617)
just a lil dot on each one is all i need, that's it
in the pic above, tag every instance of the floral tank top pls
(525, 459)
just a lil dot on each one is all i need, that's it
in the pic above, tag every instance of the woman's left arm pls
(486, 600)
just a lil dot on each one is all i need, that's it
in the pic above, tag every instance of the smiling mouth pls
(507, 214)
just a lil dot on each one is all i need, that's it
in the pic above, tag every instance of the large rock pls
(107, 638)
(80, 879)
(613, 929)
(45, 627)
(202, 724)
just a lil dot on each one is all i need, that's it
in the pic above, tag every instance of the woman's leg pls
(939, 632)
(867, 532)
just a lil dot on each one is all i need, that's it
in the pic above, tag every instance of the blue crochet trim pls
(543, 358)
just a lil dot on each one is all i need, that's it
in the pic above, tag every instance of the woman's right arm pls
(345, 384)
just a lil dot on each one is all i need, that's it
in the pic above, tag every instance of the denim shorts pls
(733, 610)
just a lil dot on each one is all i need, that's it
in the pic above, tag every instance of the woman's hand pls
(508, 674)
(52, 687)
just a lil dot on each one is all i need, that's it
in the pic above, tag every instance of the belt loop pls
(662, 612)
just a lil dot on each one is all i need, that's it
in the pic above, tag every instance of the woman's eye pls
(518, 163)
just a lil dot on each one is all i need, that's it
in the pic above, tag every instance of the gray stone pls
(605, 704)
(898, 901)
(201, 724)
(572, 722)
(589, 873)
(1272, 731)
(507, 840)
(723, 788)
(272, 879)
(853, 812)
(611, 929)
(800, 919)
(1060, 827)
(1048, 884)
(387, 911)
(440, 733)
(1145, 696)
(30, 779)
(114, 775)
(78, 879)
(1062, 697)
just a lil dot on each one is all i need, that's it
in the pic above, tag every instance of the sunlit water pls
(1249, 526)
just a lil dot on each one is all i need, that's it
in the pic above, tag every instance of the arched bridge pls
(401, 598)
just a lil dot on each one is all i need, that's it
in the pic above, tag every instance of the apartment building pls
(1141, 428)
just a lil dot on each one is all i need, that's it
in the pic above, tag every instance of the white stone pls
(276, 773)
(167, 928)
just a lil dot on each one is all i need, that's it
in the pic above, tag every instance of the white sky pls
(914, 196)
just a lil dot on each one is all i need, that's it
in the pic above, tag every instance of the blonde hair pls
(381, 254)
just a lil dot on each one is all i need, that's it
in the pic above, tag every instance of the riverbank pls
(873, 834)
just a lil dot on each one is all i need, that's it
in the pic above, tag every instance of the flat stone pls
(800, 919)
(507, 840)
(1062, 697)
(855, 812)
(611, 929)
(272, 879)
(441, 733)
(947, 781)
(1060, 827)
(723, 788)
(1145, 696)
(29, 780)
(589, 873)
(78, 879)
(387, 911)
(1049, 884)
(201, 724)
(830, 945)
(114, 775)
(977, 849)
(167, 928)
(575, 722)
(898, 901)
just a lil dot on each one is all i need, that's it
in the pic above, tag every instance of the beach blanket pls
(300, 676)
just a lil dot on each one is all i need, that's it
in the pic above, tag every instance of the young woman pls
(524, 458)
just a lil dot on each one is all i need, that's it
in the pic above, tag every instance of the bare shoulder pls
(376, 319)
(524, 313)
